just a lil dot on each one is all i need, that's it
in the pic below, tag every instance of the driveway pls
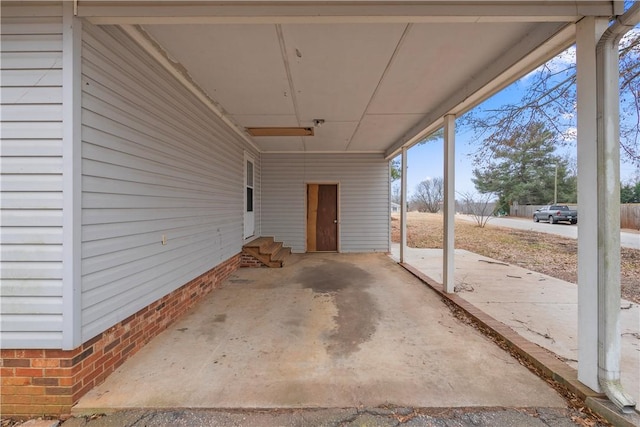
(325, 331)
(540, 308)
(628, 238)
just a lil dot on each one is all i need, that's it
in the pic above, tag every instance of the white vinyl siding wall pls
(31, 176)
(363, 198)
(156, 162)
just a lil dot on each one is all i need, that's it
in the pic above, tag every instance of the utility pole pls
(555, 187)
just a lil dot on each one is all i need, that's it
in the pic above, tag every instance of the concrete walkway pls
(540, 308)
(326, 331)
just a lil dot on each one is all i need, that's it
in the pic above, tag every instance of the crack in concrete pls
(147, 417)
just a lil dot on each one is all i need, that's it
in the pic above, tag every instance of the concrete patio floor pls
(540, 308)
(328, 330)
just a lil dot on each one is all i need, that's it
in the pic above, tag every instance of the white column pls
(589, 30)
(403, 205)
(448, 280)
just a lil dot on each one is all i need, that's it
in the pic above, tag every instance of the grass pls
(545, 253)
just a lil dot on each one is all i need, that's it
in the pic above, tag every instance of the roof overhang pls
(382, 74)
(120, 12)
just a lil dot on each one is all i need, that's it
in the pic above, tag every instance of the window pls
(249, 186)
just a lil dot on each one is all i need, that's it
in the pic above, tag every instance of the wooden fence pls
(629, 213)
(630, 216)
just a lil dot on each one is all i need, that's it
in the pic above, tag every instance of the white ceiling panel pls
(376, 85)
(331, 136)
(240, 66)
(376, 131)
(435, 59)
(336, 68)
(267, 120)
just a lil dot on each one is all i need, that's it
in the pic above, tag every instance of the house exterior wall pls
(40, 382)
(32, 172)
(363, 203)
(155, 162)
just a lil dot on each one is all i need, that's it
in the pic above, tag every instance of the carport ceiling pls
(379, 74)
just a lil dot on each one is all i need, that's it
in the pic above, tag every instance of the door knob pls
(335, 221)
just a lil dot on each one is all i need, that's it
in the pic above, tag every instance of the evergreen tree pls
(522, 169)
(630, 193)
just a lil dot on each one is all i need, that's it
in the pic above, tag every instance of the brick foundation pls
(250, 261)
(50, 382)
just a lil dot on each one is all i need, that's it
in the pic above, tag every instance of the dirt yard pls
(545, 253)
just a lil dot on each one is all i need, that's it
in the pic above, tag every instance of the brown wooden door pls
(322, 217)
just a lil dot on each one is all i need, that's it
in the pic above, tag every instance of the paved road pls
(628, 239)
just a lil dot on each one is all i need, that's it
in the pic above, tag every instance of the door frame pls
(306, 212)
(248, 157)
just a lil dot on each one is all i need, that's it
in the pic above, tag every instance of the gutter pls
(609, 340)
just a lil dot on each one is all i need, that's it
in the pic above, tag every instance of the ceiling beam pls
(285, 12)
(533, 50)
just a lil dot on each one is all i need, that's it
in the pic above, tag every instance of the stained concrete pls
(540, 308)
(328, 330)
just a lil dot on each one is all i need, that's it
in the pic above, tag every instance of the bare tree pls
(428, 195)
(395, 193)
(479, 206)
(549, 97)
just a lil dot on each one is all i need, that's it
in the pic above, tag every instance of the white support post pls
(71, 177)
(448, 246)
(589, 30)
(608, 191)
(599, 340)
(403, 205)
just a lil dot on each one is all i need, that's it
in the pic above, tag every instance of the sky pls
(426, 161)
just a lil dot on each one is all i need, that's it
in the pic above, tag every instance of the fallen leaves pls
(586, 422)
